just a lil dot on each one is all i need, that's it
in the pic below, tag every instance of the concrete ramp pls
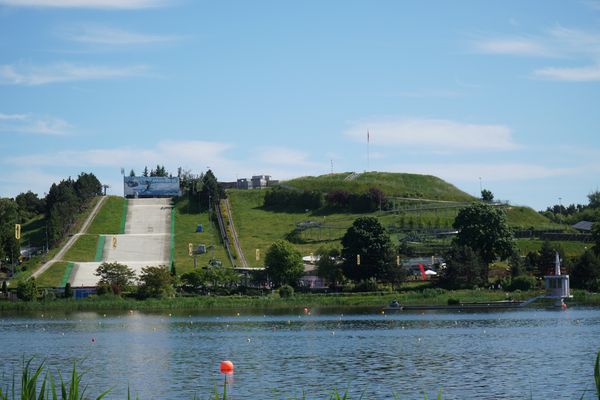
(146, 241)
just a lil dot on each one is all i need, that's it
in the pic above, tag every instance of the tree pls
(87, 186)
(594, 199)
(27, 290)
(118, 276)
(283, 263)
(517, 266)
(211, 191)
(596, 237)
(586, 272)
(368, 239)
(483, 228)
(464, 269)
(487, 196)
(132, 173)
(145, 173)
(9, 216)
(156, 282)
(68, 291)
(29, 204)
(328, 265)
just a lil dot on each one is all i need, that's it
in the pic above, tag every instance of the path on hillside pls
(236, 243)
(146, 241)
(59, 256)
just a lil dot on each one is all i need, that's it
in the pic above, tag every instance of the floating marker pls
(226, 367)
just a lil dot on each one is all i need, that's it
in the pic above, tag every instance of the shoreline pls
(433, 298)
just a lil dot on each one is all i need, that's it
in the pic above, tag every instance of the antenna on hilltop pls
(331, 166)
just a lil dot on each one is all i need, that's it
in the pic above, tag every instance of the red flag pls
(423, 274)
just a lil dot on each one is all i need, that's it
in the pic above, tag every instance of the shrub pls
(27, 290)
(369, 285)
(68, 291)
(523, 282)
(453, 302)
(286, 291)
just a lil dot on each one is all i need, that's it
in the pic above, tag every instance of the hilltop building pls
(256, 182)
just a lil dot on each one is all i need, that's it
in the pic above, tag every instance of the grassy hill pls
(392, 184)
(435, 207)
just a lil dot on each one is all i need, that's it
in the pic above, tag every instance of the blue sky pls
(506, 94)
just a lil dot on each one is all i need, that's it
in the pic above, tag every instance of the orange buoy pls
(226, 367)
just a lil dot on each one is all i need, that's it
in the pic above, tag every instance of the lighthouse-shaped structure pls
(557, 285)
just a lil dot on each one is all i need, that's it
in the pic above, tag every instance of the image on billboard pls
(150, 186)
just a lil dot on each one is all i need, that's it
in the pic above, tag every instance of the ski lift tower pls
(557, 285)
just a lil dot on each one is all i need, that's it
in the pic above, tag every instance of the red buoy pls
(226, 367)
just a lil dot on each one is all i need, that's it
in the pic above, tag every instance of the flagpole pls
(368, 152)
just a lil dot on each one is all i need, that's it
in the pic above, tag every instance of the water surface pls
(514, 354)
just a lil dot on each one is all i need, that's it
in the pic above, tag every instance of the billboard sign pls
(150, 186)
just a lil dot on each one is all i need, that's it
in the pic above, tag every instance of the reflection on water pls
(485, 355)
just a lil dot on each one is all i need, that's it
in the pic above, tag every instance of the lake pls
(511, 354)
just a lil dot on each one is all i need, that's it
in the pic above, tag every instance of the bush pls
(370, 285)
(68, 291)
(523, 283)
(27, 290)
(432, 292)
(453, 302)
(286, 291)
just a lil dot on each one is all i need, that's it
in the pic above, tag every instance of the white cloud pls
(576, 44)
(491, 172)
(105, 4)
(581, 74)
(26, 123)
(65, 72)
(193, 155)
(12, 117)
(104, 35)
(512, 46)
(434, 134)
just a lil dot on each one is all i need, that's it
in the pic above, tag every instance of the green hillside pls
(436, 207)
(392, 184)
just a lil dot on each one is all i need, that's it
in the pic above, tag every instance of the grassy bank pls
(572, 249)
(84, 249)
(186, 221)
(53, 276)
(274, 302)
(108, 219)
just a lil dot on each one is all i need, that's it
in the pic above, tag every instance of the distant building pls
(256, 182)
(260, 181)
(585, 226)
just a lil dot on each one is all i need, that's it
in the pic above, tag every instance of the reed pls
(31, 379)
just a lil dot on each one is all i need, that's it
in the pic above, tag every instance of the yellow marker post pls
(257, 254)
(357, 260)
(17, 231)
(190, 249)
(114, 242)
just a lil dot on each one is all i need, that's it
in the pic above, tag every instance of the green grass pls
(258, 228)
(53, 276)
(298, 301)
(524, 218)
(185, 233)
(392, 184)
(33, 232)
(84, 249)
(571, 249)
(108, 219)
